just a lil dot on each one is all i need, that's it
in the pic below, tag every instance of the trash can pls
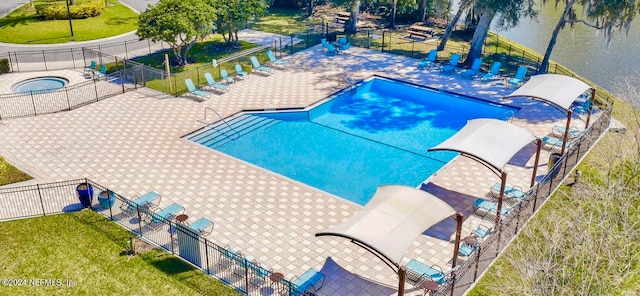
(85, 194)
(553, 159)
(106, 198)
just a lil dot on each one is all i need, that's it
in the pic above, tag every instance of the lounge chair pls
(429, 60)
(227, 256)
(582, 108)
(482, 231)
(473, 71)
(418, 272)
(466, 249)
(482, 207)
(509, 191)
(453, 63)
(165, 214)
(260, 68)
(493, 71)
(259, 273)
(215, 85)
(273, 61)
(224, 76)
(148, 200)
(100, 74)
(240, 73)
(558, 130)
(203, 226)
(309, 280)
(519, 77)
(194, 91)
(89, 70)
(554, 142)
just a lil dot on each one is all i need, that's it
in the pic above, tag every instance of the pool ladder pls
(235, 132)
(346, 78)
(510, 117)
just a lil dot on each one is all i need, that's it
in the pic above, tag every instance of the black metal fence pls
(233, 268)
(510, 225)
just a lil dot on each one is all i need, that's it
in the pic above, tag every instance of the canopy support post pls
(566, 132)
(402, 274)
(535, 163)
(503, 183)
(456, 246)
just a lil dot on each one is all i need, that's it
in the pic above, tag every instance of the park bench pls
(343, 17)
(420, 31)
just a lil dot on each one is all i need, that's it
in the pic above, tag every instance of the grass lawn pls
(10, 174)
(23, 26)
(89, 250)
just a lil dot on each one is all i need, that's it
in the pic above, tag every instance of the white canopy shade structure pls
(390, 222)
(560, 91)
(493, 143)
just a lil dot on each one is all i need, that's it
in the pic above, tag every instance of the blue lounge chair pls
(259, 273)
(519, 77)
(100, 74)
(148, 200)
(240, 73)
(167, 213)
(260, 68)
(418, 272)
(466, 249)
(89, 70)
(493, 71)
(482, 231)
(225, 76)
(227, 256)
(309, 280)
(582, 108)
(215, 85)
(558, 130)
(453, 63)
(509, 191)
(482, 207)
(194, 91)
(203, 225)
(554, 142)
(275, 62)
(429, 60)
(473, 71)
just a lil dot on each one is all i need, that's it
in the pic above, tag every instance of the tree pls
(606, 15)
(180, 23)
(235, 12)
(353, 18)
(464, 6)
(509, 12)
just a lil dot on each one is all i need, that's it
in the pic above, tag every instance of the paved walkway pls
(133, 145)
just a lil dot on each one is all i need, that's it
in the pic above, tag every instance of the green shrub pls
(58, 11)
(4, 66)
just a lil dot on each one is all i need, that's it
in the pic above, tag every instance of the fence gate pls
(133, 77)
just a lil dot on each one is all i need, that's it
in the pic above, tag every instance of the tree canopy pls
(233, 13)
(180, 23)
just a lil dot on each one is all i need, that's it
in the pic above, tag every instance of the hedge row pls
(4, 66)
(58, 11)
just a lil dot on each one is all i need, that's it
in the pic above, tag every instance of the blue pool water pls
(375, 135)
(40, 84)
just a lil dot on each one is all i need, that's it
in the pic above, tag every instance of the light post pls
(69, 14)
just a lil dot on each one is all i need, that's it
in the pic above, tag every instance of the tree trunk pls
(310, 8)
(479, 35)
(230, 30)
(423, 11)
(177, 49)
(185, 51)
(544, 67)
(353, 19)
(393, 14)
(447, 33)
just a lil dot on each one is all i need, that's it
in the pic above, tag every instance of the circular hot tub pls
(40, 84)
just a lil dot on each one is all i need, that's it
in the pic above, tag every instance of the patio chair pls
(483, 207)
(509, 191)
(259, 273)
(519, 77)
(240, 73)
(309, 280)
(345, 47)
(149, 200)
(324, 43)
(273, 61)
(473, 71)
(165, 214)
(558, 130)
(482, 231)
(331, 49)
(260, 68)
(555, 143)
(453, 63)
(89, 70)
(342, 41)
(100, 74)
(224, 76)
(493, 71)
(194, 91)
(212, 83)
(226, 256)
(429, 60)
(467, 249)
(418, 272)
(582, 108)
(203, 226)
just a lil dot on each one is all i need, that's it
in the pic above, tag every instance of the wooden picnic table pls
(343, 17)
(420, 31)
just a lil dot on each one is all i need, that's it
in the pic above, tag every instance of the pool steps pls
(222, 133)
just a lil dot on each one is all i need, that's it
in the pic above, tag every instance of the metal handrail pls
(344, 76)
(225, 122)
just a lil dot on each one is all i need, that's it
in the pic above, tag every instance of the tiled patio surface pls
(132, 144)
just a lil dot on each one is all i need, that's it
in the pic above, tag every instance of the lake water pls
(583, 49)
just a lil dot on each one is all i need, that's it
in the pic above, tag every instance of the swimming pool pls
(373, 135)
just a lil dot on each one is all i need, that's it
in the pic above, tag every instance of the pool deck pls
(132, 144)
